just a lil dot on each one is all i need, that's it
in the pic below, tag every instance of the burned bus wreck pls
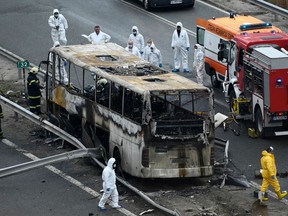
(155, 123)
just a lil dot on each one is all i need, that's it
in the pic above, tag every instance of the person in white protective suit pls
(137, 38)
(131, 48)
(154, 56)
(109, 186)
(199, 63)
(60, 71)
(98, 36)
(147, 49)
(180, 44)
(59, 25)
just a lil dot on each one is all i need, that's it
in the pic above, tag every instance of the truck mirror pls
(221, 46)
(221, 55)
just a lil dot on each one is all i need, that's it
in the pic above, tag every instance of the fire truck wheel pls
(232, 96)
(214, 80)
(259, 123)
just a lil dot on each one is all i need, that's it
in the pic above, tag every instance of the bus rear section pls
(156, 124)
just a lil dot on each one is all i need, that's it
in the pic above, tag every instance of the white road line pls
(63, 175)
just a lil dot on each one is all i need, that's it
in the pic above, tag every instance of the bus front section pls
(179, 139)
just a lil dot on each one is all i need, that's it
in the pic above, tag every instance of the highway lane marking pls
(63, 175)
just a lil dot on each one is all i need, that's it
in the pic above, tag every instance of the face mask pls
(56, 15)
(130, 46)
(134, 33)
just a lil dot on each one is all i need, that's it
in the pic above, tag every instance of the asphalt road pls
(25, 32)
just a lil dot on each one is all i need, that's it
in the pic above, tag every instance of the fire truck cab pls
(257, 80)
(216, 33)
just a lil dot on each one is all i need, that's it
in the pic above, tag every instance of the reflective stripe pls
(32, 81)
(33, 97)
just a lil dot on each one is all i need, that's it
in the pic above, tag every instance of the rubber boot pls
(264, 196)
(281, 195)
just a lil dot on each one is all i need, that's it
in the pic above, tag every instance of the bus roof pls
(114, 63)
(227, 27)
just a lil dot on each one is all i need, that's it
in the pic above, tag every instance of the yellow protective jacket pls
(268, 165)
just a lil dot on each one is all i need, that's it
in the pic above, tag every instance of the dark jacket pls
(33, 86)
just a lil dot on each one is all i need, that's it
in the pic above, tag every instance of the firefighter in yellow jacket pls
(269, 172)
(1, 116)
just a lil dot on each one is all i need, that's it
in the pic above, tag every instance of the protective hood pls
(55, 11)
(135, 28)
(179, 24)
(111, 161)
(198, 46)
(265, 153)
(56, 44)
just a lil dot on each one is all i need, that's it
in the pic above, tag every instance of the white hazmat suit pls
(109, 185)
(60, 71)
(134, 50)
(58, 24)
(154, 56)
(180, 44)
(137, 38)
(199, 63)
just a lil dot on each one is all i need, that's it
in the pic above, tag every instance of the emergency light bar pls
(255, 26)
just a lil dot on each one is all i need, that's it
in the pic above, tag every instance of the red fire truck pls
(256, 81)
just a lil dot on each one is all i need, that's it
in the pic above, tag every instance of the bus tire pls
(259, 123)
(214, 80)
(117, 157)
(146, 4)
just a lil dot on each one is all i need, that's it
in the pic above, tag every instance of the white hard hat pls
(34, 70)
(102, 82)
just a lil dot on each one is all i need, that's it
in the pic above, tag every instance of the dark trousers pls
(34, 105)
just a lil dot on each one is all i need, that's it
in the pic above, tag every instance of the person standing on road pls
(137, 38)
(98, 37)
(198, 63)
(34, 91)
(1, 117)
(109, 186)
(269, 172)
(59, 25)
(154, 56)
(180, 44)
(131, 48)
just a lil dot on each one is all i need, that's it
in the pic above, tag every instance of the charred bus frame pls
(156, 124)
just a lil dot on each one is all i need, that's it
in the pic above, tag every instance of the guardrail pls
(271, 7)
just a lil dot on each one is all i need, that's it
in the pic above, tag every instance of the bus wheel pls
(146, 4)
(259, 123)
(214, 80)
(117, 157)
(232, 96)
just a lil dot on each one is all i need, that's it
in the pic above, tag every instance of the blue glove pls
(141, 52)
(273, 177)
(187, 48)
(108, 189)
(160, 65)
(65, 63)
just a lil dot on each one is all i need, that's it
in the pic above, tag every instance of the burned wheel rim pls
(146, 5)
